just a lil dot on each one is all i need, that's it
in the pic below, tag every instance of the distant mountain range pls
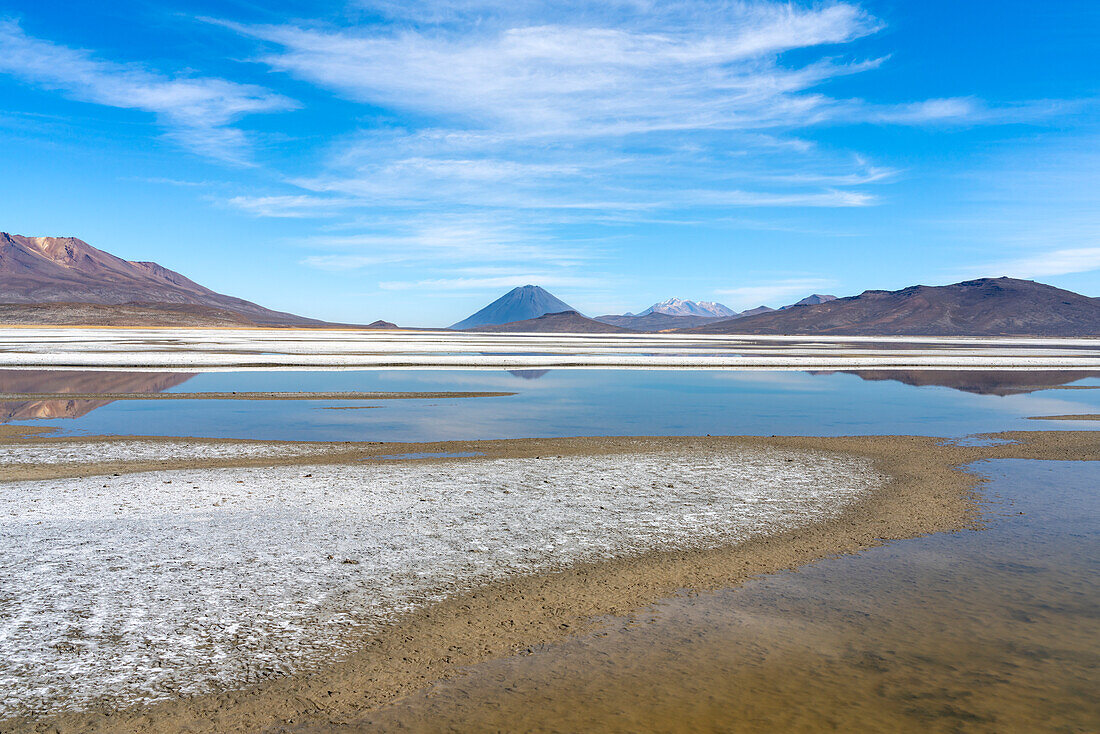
(679, 314)
(679, 307)
(64, 280)
(518, 304)
(675, 313)
(529, 302)
(562, 322)
(655, 321)
(983, 307)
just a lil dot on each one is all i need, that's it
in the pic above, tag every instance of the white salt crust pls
(147, 586)
(211, 349)
(91, 452)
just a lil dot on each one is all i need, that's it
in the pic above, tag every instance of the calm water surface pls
(584, 402)
(989, 631)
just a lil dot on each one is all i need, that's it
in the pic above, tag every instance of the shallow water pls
(580, 402)
(980, 631)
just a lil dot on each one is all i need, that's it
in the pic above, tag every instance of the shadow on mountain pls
(75, 382)
(978, 382)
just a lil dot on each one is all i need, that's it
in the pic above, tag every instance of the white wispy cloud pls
(828, 198)
(524, 116)
(773, 293)
(196, 111)
(1043, 264)
(545, 279)
(863, 172)
(288, 206)
(708, 65)
(447, 239)
(583, 106)
(962, 111)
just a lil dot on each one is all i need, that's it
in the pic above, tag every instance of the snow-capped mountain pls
(680, 307)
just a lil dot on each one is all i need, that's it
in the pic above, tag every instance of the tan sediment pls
(250, 395)
(1079, 417)
(20, 432)
(927, 493)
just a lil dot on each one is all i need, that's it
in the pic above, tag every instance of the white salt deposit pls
(146, 586)
(90, 452)
(209, 349)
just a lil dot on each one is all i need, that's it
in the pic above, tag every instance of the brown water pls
(982, 631)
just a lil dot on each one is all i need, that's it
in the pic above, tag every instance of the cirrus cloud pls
(197, 112)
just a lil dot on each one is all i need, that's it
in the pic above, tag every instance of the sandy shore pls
(925, 493)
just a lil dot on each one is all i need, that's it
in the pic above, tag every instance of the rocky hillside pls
(64, 270)
(984, 307)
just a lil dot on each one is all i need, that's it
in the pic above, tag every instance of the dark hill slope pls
(65, 270)
(985, 307)
(566, 322)
(656, 321)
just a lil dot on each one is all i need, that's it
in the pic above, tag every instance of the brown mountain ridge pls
(61, 276)
(983, 307)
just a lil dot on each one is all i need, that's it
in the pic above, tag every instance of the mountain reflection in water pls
(980, 382)
(549, 403)
(79, 382)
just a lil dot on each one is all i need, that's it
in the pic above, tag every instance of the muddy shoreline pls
(927, 493)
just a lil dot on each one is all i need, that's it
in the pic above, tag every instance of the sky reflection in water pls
(602, 402)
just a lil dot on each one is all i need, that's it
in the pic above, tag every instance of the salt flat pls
(145, 586)
(210, 349)
(81, 452)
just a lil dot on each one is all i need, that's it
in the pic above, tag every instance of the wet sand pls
(927, 493)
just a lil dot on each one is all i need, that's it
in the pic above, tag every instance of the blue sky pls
(414, 160)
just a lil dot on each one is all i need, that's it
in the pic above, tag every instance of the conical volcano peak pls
(518, 304)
